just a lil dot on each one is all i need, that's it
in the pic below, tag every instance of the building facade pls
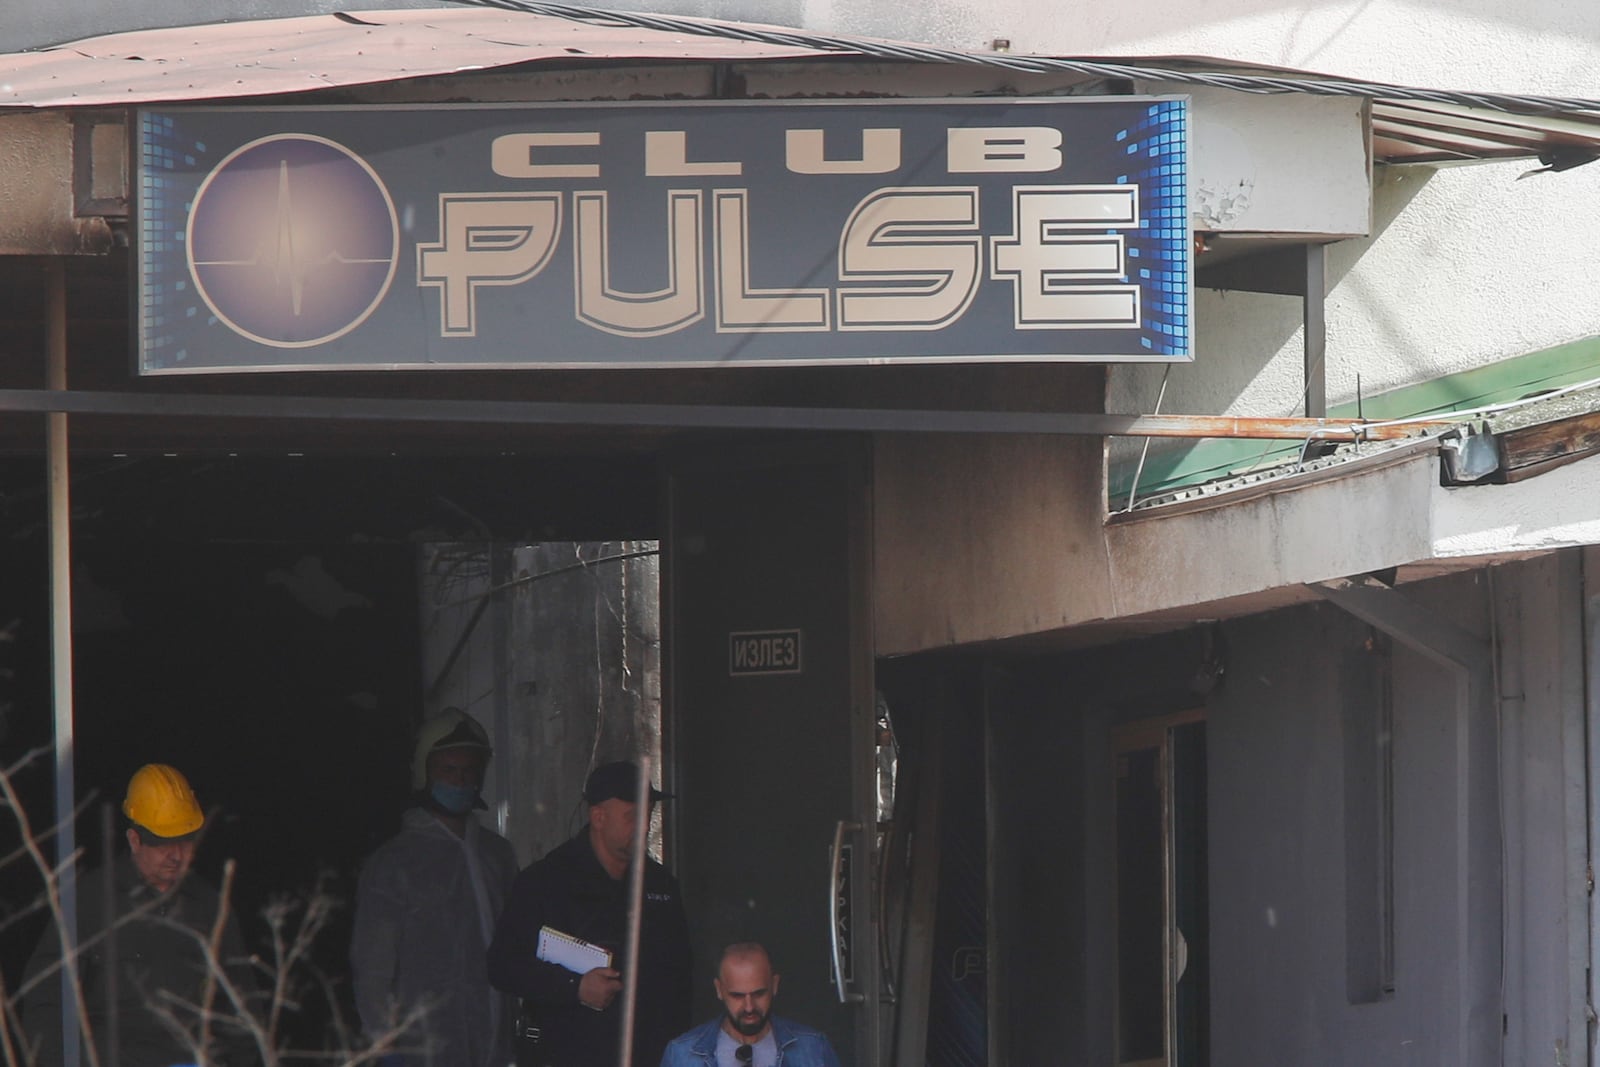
(1259, 741)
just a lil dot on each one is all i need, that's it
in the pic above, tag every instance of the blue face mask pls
(456, 799)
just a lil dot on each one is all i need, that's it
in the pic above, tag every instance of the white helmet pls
(451, 728)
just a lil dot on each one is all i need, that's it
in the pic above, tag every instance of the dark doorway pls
(256, 623)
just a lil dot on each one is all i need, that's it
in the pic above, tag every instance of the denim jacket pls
(798, 1046)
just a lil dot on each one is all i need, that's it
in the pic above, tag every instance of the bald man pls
(748, 1034)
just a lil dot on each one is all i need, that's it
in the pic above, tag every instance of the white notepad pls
(573, 953)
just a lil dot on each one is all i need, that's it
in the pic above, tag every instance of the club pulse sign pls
(770, 233)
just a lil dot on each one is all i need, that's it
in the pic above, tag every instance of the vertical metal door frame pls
(57, 453)
(863, 750)
(1140, 735)
(853, 454)
(1591, 669)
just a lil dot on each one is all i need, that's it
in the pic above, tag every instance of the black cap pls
(148, 836)
(618, 781)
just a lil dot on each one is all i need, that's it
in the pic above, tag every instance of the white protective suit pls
(426, 906)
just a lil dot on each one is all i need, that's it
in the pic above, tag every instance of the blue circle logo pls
(292, 240)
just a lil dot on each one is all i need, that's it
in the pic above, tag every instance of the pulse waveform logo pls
(292, 240)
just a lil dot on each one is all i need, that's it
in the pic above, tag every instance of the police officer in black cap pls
(580, 890)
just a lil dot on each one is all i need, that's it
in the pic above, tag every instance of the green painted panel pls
(1493, 383)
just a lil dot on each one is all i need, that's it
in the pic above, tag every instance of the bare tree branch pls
(68, 951)
(225, 1011)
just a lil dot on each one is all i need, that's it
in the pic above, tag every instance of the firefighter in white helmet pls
(143, 983)
(426, 906)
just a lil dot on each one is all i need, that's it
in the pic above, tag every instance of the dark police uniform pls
(569, 891)
(152, 955)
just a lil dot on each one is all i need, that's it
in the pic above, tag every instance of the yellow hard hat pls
(451, 728)
(160, 800)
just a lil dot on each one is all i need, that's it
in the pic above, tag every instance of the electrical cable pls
(1511, 103)
(1133, 490)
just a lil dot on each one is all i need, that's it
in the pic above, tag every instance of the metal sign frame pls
(683, 234)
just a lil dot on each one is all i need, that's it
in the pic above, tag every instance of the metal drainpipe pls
(1470, 662)
(61, 638)
(1316, 331)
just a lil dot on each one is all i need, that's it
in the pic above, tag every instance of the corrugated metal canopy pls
(1409, 132)
(1417, 125)
(278, 56)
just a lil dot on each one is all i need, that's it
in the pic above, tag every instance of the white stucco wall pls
(1470, 265)
(1467, 266)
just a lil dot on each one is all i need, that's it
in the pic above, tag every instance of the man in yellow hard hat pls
(166, 821)
(144, 966)
(426, 906)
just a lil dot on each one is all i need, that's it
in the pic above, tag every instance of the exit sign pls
(764, 652)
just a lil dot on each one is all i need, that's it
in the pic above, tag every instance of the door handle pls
(880, 916)
(840, 888)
